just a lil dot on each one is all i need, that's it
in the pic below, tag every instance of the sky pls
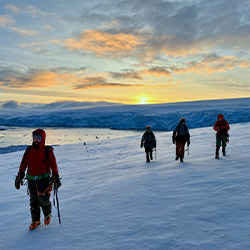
(124, 51)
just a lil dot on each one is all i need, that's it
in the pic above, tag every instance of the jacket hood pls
(40, 132)
(220, 116)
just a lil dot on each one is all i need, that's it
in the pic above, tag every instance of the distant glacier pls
(162, 117)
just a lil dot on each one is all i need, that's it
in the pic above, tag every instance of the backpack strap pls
(26, 153)
(28, 149)
(47, 148)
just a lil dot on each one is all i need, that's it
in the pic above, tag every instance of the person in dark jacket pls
(39, 160)
(180, 137)
(221, 127)
(148, 140)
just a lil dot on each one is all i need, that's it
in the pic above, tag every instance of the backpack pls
(223, 132)
(185, 127)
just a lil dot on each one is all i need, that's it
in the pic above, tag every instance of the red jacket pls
(36, 160)
(221, 126)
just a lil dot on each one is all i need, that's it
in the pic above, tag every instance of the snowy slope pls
(162, 117)
(114, 200)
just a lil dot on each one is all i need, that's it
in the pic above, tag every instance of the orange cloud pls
(36, 80)
(30, 80)
(103, 43)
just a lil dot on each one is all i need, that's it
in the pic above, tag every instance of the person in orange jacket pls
(221, 127)
(39, 160)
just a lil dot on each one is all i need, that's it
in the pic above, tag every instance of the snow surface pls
(113, 199)
(162, 117)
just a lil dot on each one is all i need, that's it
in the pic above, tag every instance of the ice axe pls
(57, 205)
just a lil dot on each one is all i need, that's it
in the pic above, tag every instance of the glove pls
(188, 143)
(173, 139)
(56, 180)
(19, 179)
(141, 145)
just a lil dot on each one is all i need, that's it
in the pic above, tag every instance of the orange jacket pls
(35, 160)
(221, 126)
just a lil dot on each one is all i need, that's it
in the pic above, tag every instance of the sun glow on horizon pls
(143, 100)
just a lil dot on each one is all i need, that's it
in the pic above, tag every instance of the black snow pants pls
(39, 191)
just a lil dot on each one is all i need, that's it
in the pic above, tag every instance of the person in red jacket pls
(221, 126)
(39, 160)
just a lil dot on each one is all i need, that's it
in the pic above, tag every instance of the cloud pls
(33, 12)
(48, 27)
(103, 43)
(5, 21)
(24, 31)
(12, 8)
(65, 69)
(126, 75)
(213, 63)
(182, 28)
(100, 82)
(10, 104)
(34, 78)
(157, 71)
(143, 30)
(209, 63)
(109, 25)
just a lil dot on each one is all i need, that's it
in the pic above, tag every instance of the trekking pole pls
(97, 140)
(188, 150)
(155, 153)
(86, 148)
(57, 206)
(214, 141)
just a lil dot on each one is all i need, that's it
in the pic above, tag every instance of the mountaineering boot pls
(47, 220)
(217, 152)
(177, 158)
(224, 151)
(181, 159)
(34, 225)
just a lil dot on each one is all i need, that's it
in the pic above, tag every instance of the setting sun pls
(143, 100)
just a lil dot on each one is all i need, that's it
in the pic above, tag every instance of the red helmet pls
(220, 116)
